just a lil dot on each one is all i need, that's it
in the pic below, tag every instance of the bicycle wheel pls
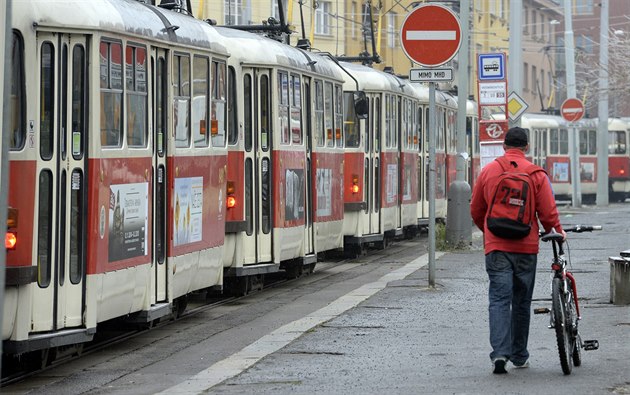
(560, 323)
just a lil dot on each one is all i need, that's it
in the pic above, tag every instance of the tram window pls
(249, 202)
(338, 116)
(283, 107)
(136, 85)
(320, 135)
(63, 102)
(592, 142)
(17, 101)
(44, 229)
(200, 101)
(76, 227)
(553, 142)
(378, 113)
(160, 104)
(617, 142)
(219, 108)
(47, 111)
(79, 98)
(296, 110)
(247, 108)
(351, 123)
(388, 120)
(328, 114)
(265, 195)
(377, 186)
(366, 185)
(232, 113)
(265, 113)
(181, 100)
(563, 141)
(419, 126)
(583, 142)
(111, 94)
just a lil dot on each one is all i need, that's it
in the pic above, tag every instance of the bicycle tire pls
(563, 337)
(576, 341)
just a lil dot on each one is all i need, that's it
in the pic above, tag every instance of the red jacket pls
(545, 206)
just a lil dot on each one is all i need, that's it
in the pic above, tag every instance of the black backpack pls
(512, 209)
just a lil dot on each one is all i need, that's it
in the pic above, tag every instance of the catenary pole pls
(5, 71)
(569, 53)
(462, 89)
(602, 109)
(515, 59)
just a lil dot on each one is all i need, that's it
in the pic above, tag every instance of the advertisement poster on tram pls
(324, 192)
(294, 194)
(188, 216)
(128, 220)
(392, 183)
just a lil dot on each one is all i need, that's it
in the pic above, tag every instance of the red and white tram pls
(380, 162)
(285, 158)
(117, 166)
(549, 148)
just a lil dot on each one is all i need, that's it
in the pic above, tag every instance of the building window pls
(276, 12)
(233, 12)
(534, 79)
(354, 22)
(392, 32)
(322, 18)
(583, 7)
(525, 77)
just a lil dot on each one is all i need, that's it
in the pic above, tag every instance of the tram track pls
(202, 303)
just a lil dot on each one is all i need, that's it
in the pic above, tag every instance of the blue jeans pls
(510, 293)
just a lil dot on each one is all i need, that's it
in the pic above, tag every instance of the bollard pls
(619, 280)
(458, 220)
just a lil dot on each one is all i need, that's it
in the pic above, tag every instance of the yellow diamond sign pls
(516, 106)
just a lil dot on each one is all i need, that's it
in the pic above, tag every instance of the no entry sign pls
(431, 35)
(572, 109)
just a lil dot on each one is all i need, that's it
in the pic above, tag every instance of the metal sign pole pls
(432, 174)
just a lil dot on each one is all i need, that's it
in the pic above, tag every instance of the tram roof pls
(129, 17)
(374, 80)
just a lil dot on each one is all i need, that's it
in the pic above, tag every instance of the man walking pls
(510, 197)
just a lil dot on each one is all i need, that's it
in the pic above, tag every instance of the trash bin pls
(619, 280)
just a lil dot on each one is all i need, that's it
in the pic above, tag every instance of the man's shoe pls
(499, 365)
(524, 365)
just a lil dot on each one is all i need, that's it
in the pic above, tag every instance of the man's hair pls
(516, 137)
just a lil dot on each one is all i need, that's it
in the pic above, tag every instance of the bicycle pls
(565, 308)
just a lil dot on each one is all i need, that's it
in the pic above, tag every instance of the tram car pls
(380, 161)
(285, 159)
(117, 167)
(549, 148)
(445, 151)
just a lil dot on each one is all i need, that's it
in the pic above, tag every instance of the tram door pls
(159, 84)
(309, 230)
(372, 168)
(258, 166)
(62, 193)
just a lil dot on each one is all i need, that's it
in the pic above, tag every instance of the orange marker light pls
(10, 240)
(231, 201)
(355, 184)
(622, 172)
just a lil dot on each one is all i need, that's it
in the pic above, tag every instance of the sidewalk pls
(412, 339)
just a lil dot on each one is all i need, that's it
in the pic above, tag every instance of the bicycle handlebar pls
(575, 229)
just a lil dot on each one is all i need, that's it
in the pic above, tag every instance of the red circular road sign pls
(572, 109)
(431, 35)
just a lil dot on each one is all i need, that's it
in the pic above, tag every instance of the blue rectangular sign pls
(491, 66)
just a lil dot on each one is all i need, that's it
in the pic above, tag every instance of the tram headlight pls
(230, 201)
(10, 240)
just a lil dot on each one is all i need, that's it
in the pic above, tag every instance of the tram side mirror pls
(360, 105)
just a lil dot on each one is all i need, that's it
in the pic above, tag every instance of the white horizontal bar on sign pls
(430, 75)
(571, 110)
(424, 35)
